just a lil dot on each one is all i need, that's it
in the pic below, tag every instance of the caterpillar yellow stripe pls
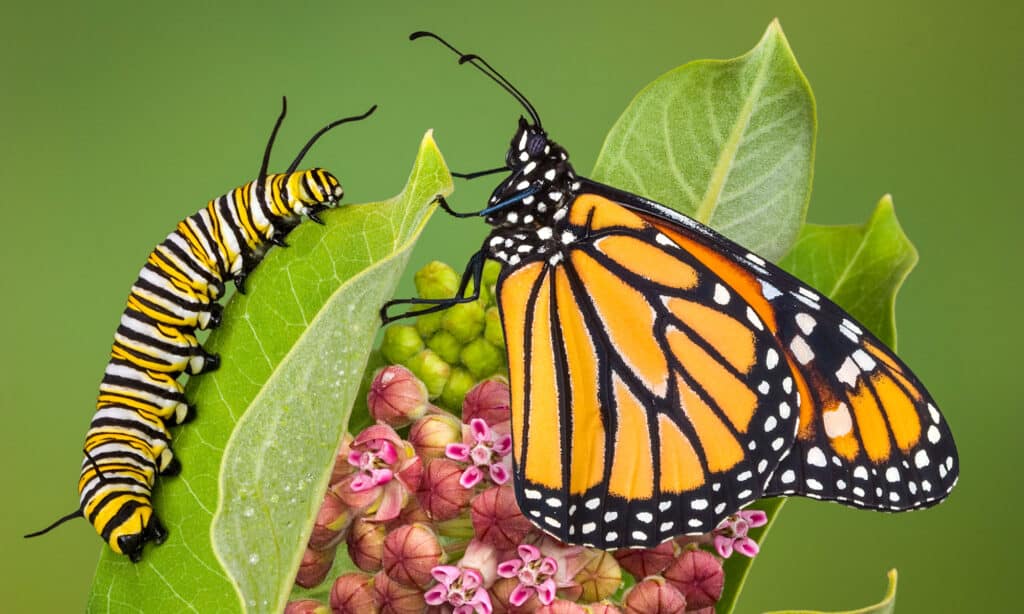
(176, 293)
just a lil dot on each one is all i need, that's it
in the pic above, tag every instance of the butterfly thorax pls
(528, 209)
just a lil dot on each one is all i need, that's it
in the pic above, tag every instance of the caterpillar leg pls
(172, 469)
(202, 362)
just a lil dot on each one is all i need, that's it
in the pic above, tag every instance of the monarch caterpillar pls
(663, 377)
(176, 292)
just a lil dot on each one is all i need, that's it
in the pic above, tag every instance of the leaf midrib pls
(711, 200)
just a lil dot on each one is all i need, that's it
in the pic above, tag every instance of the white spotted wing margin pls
(870, 434)
(678, 429)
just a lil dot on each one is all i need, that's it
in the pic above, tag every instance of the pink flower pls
(461, 588)
(489, 400)
(731, 534)
(484, 449)
(387, 470)
(535, 574)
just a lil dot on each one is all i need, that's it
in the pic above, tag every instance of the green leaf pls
(257, 460)
(861, 268)
(886, 606)
(727, 142)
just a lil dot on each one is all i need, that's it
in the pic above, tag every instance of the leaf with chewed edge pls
(861, 268)
(729, 143)
(257, 460)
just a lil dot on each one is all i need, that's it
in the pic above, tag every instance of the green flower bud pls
(465, 321)
(455, 390)
(400, 343)
(446, 346)
(493, 332)
(436, 280)
(429, 324)
(481, 358)
(492, 268)
(432, 371)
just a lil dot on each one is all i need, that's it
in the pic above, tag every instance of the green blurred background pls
(118, 120)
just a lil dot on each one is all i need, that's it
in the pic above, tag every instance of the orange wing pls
(650, 398)
(663, 378)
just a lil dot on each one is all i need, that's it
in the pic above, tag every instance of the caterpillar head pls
(139, 526)
(311, 191)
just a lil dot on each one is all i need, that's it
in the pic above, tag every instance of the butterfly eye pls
(535, 146)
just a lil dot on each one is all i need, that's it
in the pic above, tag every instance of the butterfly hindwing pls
(650, 398)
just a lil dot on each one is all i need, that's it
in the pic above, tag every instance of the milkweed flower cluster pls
(422, 503)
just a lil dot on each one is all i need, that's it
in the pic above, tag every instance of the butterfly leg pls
(474, 271)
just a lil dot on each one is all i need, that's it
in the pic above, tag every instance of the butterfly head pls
(539, 186)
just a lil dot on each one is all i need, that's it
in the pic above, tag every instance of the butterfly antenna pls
(273, 135)
(57, 523)
(324, 130)
(483, 66)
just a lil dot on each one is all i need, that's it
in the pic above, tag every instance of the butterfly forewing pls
(869, 433)
(650, 397)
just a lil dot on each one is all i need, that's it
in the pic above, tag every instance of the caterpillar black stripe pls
(176, 293)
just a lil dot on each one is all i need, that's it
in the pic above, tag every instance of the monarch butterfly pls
(176, 292)
(663, 377)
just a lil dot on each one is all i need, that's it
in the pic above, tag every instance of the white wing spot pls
(588, 527)
(934, 413)
(816, 457)
(848, 373)
(752, 316)
(860, 473)
(666, 526)
(639, 535)
(865, 362)
(778, 443)
(592, 504)
(610, 516)
(892, 474)
(693, 522)
(787, 385)
(532, 494)
(645, 517)
(721, 294)
(806, 322)
(743, 477)
(784, 410)
(553, 502)
(699, 504)
(933, 434)
(814, 484)
(755, 259)
(770, 424)
(771, 358)
(763, 387)
(801, 351)
(838, 421)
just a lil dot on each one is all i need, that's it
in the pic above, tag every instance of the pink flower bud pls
(431, 433)
(397, 397)
(483, 558)
(698, 575)
(497, 519)
(654, 595)
(366, 545)
(605, 607)
(600, 577)
(440, 493)
(306, 606)
(410, 552)
(561, 606)
(352, 593)
(396, 598)
(314, 567)
(490, 401)
(643, 562)
(331, 521)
